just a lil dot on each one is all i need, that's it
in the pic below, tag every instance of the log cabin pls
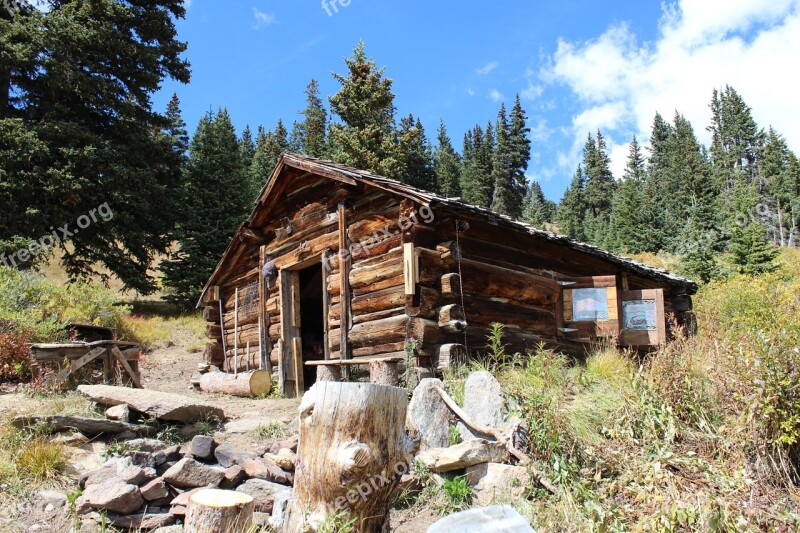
(337, 266)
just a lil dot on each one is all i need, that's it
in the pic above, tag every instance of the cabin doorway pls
(312, 331)
(303, 325)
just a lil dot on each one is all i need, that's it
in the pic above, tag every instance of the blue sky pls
(578, 64)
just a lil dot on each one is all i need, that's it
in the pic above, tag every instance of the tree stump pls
(219, 511)
(352, 453)
(329, 373)
(245, 384)
(384, 373)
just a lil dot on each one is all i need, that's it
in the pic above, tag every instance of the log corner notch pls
(352, 436)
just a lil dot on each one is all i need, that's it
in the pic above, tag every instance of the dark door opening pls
(311, 317)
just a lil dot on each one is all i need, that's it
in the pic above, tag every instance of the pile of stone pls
(484, 460)
(149, 486)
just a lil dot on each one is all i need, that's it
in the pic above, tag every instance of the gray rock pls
(141, 522)
(169, 529)
(188, 473)
(228, 455)
(98, 476)
(428, 417)
(498, 518)
(469, 453)
(112, 495)
(173, 453)
(285, 459)
(483, 403)
(262, 469)
(119, 412)
(264, 493)
(141, 459)
(279, 507)
(490, 481)
(51, 499)
(147, 445)
(202, 447)
(154, 490)
(160, 405)
(182, 499)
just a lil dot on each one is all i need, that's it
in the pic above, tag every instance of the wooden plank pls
(297, 352)
(326, 302)
(121, 360)
(410, 268)
(74, 366)
(344, 284)
(357, 361)
(236, 333)
(222, 327)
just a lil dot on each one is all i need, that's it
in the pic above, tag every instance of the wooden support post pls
(329, 373)
(124, 364)
(344, 284)
(225, 365)
(236, 333)
(351, 434)
(384, 373)
(326, 302)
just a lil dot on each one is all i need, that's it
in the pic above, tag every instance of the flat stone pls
(141, 459)
(119, 412)
(182, 499)
(234, 476)
(173, 453)
(154, 490)
(160, 405)
(112, 495)
(285, 459)
(228, 455)
(55, 499)
(142, 522)
(188, 473)
(262, 469)
(94, 477)
(478, 520)
(136, 475)
(483, 403)
(264, 493)
(202, 447)
(428, 417)
(147, 445)
(469, 453)
(492, 480)
(247, 425)
(169, 529)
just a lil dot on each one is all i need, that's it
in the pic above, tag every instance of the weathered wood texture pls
(350, 434)
(244, 385)
(219, 511)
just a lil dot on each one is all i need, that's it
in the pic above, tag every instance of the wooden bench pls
(113, 354)
(382, 370)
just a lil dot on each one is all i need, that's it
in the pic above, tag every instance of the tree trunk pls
(384, 373)
(352, 453)
(245, 385)
(219, 511)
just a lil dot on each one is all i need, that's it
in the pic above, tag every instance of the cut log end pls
(246, 385)
(219, 511)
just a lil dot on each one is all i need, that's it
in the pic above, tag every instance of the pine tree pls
(520, 154)
(752, 253)
(311, 132)
(269, 147)
(214, 202)
(779, 180)
(79, 130)
(415, 155)
(446, 165)
(629, 220)
(571, 212)
(598, 192)
(477, 185)
(365, 104)
(506, 199)
(537, 210)
(247, 147)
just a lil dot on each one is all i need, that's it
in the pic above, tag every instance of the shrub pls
(14, 354)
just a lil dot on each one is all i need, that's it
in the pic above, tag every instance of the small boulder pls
(490, 480)
(496, 518)
(119, 412)
(264, 493)
(147, 445)
(469, 453)
(141, 522)
(262, 469)
(188, 473)
(234, 476)
(285, 458)
(483, 403)
(228, 455)
(112, 495)
(279, 507)
(202, 447)
(428, 417)
(154, 490)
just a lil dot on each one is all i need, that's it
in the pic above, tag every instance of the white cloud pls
(496, 96)
(471, 91)
(620, 83)
(263, 19)
(487, 68)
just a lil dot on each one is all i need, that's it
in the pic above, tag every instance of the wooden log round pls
(384, 373)
(329, 373)
(244, 385)
(351, 456)
(219, 511)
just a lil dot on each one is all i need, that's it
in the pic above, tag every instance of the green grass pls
(273, 430)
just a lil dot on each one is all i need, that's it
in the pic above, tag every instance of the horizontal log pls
(425, 303)
(423, 332)
(245, 385)
(450, 355)
(483, 312)
(90, 427)
(391, 266)
(452, 319)
(385, 331)
(382, 300)
(211, 314)
(451, 286)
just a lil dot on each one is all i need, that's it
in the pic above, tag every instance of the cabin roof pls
(341, 172)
